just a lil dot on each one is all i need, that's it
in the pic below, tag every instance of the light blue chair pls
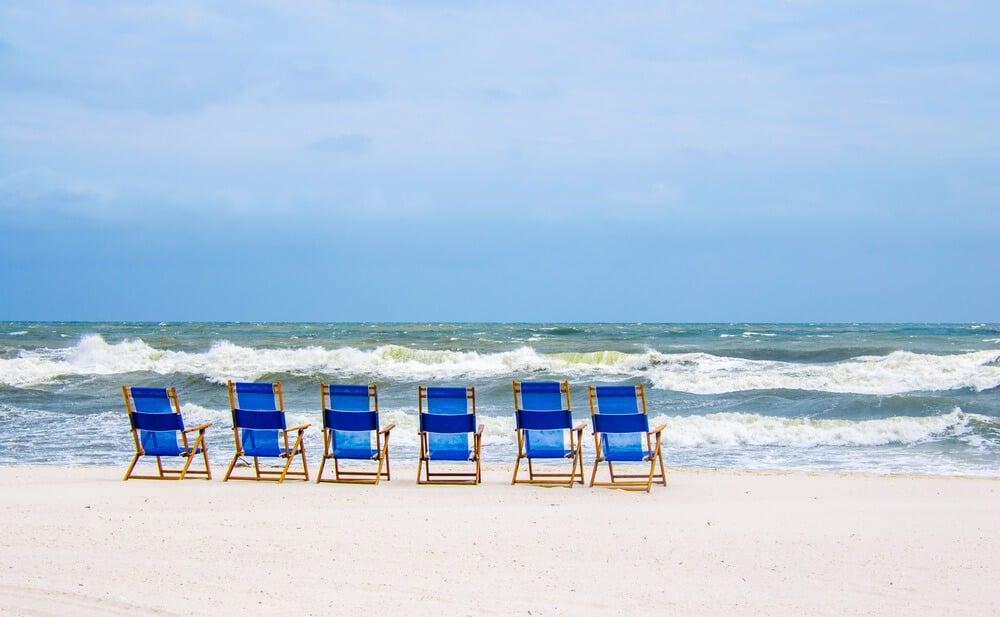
(622, 436)
(545, 431)
(448, 434)
(351, 432)
(260, 431)
(158, 431)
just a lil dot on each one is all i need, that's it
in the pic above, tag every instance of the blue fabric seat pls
(351, 432)
(260, 431)
(622, 435)
(448, 433)
(158, 431)
(545, 431)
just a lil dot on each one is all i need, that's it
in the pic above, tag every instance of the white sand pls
(81, 542)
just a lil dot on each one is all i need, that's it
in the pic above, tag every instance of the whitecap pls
(742, 429)
(895, 373)
(691, 372)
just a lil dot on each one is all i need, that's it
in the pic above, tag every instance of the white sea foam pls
(697, 373)
(895, 373)
(742, 429)
(739, 429)
(103, 438)
(721, 430)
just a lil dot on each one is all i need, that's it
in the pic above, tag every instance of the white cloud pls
(481, 106)
(656, 195)
(345, 143)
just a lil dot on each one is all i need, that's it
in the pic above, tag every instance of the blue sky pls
(500, 161)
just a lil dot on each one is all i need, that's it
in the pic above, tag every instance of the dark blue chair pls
(545, 431)
(260, 431)
(158, 431)
(622, 435)
(351, 432)
(448, 434)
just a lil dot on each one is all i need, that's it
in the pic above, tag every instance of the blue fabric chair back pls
(156, 419)
(544, 396)
(151, 400)
(623, 439)
(158, 422)
(616, 424)
(253, 420)
(254, 396)
(260, 436)
(352, 418)
(448, 423)
(442, 424)
(350, 421)
(261, 431)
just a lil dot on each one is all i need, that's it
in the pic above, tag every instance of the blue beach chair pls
(544, 426)
(448, 433)
(259, 430)
(155, 416)
(351, 432)
(622, 435)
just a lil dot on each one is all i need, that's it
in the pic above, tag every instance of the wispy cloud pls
(346, 143)
(487, 121)
(657, 194)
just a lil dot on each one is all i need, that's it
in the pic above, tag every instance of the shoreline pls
(499, 469)
(79, 541)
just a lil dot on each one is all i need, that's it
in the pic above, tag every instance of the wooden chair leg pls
(187, 463)
(232, 465)
(322, 460)
(517, 464)
(128, 472)
(208, 468)
(284, 470)
(305, 463)
(322, 465)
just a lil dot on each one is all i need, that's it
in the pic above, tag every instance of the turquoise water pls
(897, 398)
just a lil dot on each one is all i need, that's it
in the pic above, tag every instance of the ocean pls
(882, 398)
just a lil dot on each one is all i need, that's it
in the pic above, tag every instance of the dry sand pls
(79, 541)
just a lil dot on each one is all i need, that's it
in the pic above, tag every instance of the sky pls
(669, 161)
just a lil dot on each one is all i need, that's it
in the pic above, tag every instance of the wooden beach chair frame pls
(528, 420)
(639, 423)
(141, 421)
(366, 421)
(273, 420)
(428, 420)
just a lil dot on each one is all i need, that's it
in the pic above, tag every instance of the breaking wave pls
(697, 373)
(740, 429)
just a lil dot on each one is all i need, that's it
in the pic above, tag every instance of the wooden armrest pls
(200, 427)
(299, 428)
(658, 429)
(479, 431)
(386, 430)
(580, 426)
